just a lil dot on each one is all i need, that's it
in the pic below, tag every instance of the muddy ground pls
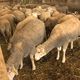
(48, 68)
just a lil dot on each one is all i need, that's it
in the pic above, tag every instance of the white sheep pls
(61, 35)
(23, 43)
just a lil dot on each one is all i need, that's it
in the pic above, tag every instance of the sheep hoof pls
(34, 68)
(63, 61)
(21, 67)
(71, 47)
(57, 58)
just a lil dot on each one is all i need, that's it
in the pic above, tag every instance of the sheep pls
(19, 15)
(53, 20)
(28, 12)
(65, 17)
(62, 8)
(61, 35)
(22, 9)
(11, 18)
(16, 7)
(62, 18)
(25, 21)
(43, 13)
(38, 8)
(23, 43)
(76, 14)
(5, 11)
(44, 6)
(5, 29)
(51, 9)
(44, 16)
(55, 12)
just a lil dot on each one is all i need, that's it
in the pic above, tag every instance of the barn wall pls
(73, 4)
(38, 1)
(9, 1)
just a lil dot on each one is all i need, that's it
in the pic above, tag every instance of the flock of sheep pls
(35, 32)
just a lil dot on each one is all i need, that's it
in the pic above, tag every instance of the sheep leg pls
(64, 51)
(8, 32)
(4, 37)
(32, 60)
(21, 66)
(71, 44)
(58, 54)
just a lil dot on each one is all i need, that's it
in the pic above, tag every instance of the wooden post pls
(3, 71)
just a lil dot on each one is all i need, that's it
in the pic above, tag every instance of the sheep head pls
(35, 14)
(11, 72)
(40, 52)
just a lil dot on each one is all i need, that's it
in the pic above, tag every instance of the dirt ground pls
(48, 68)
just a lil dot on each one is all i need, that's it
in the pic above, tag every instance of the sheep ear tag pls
(15, 71)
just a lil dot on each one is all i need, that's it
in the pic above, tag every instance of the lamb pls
(23, 43)
(60, 36)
